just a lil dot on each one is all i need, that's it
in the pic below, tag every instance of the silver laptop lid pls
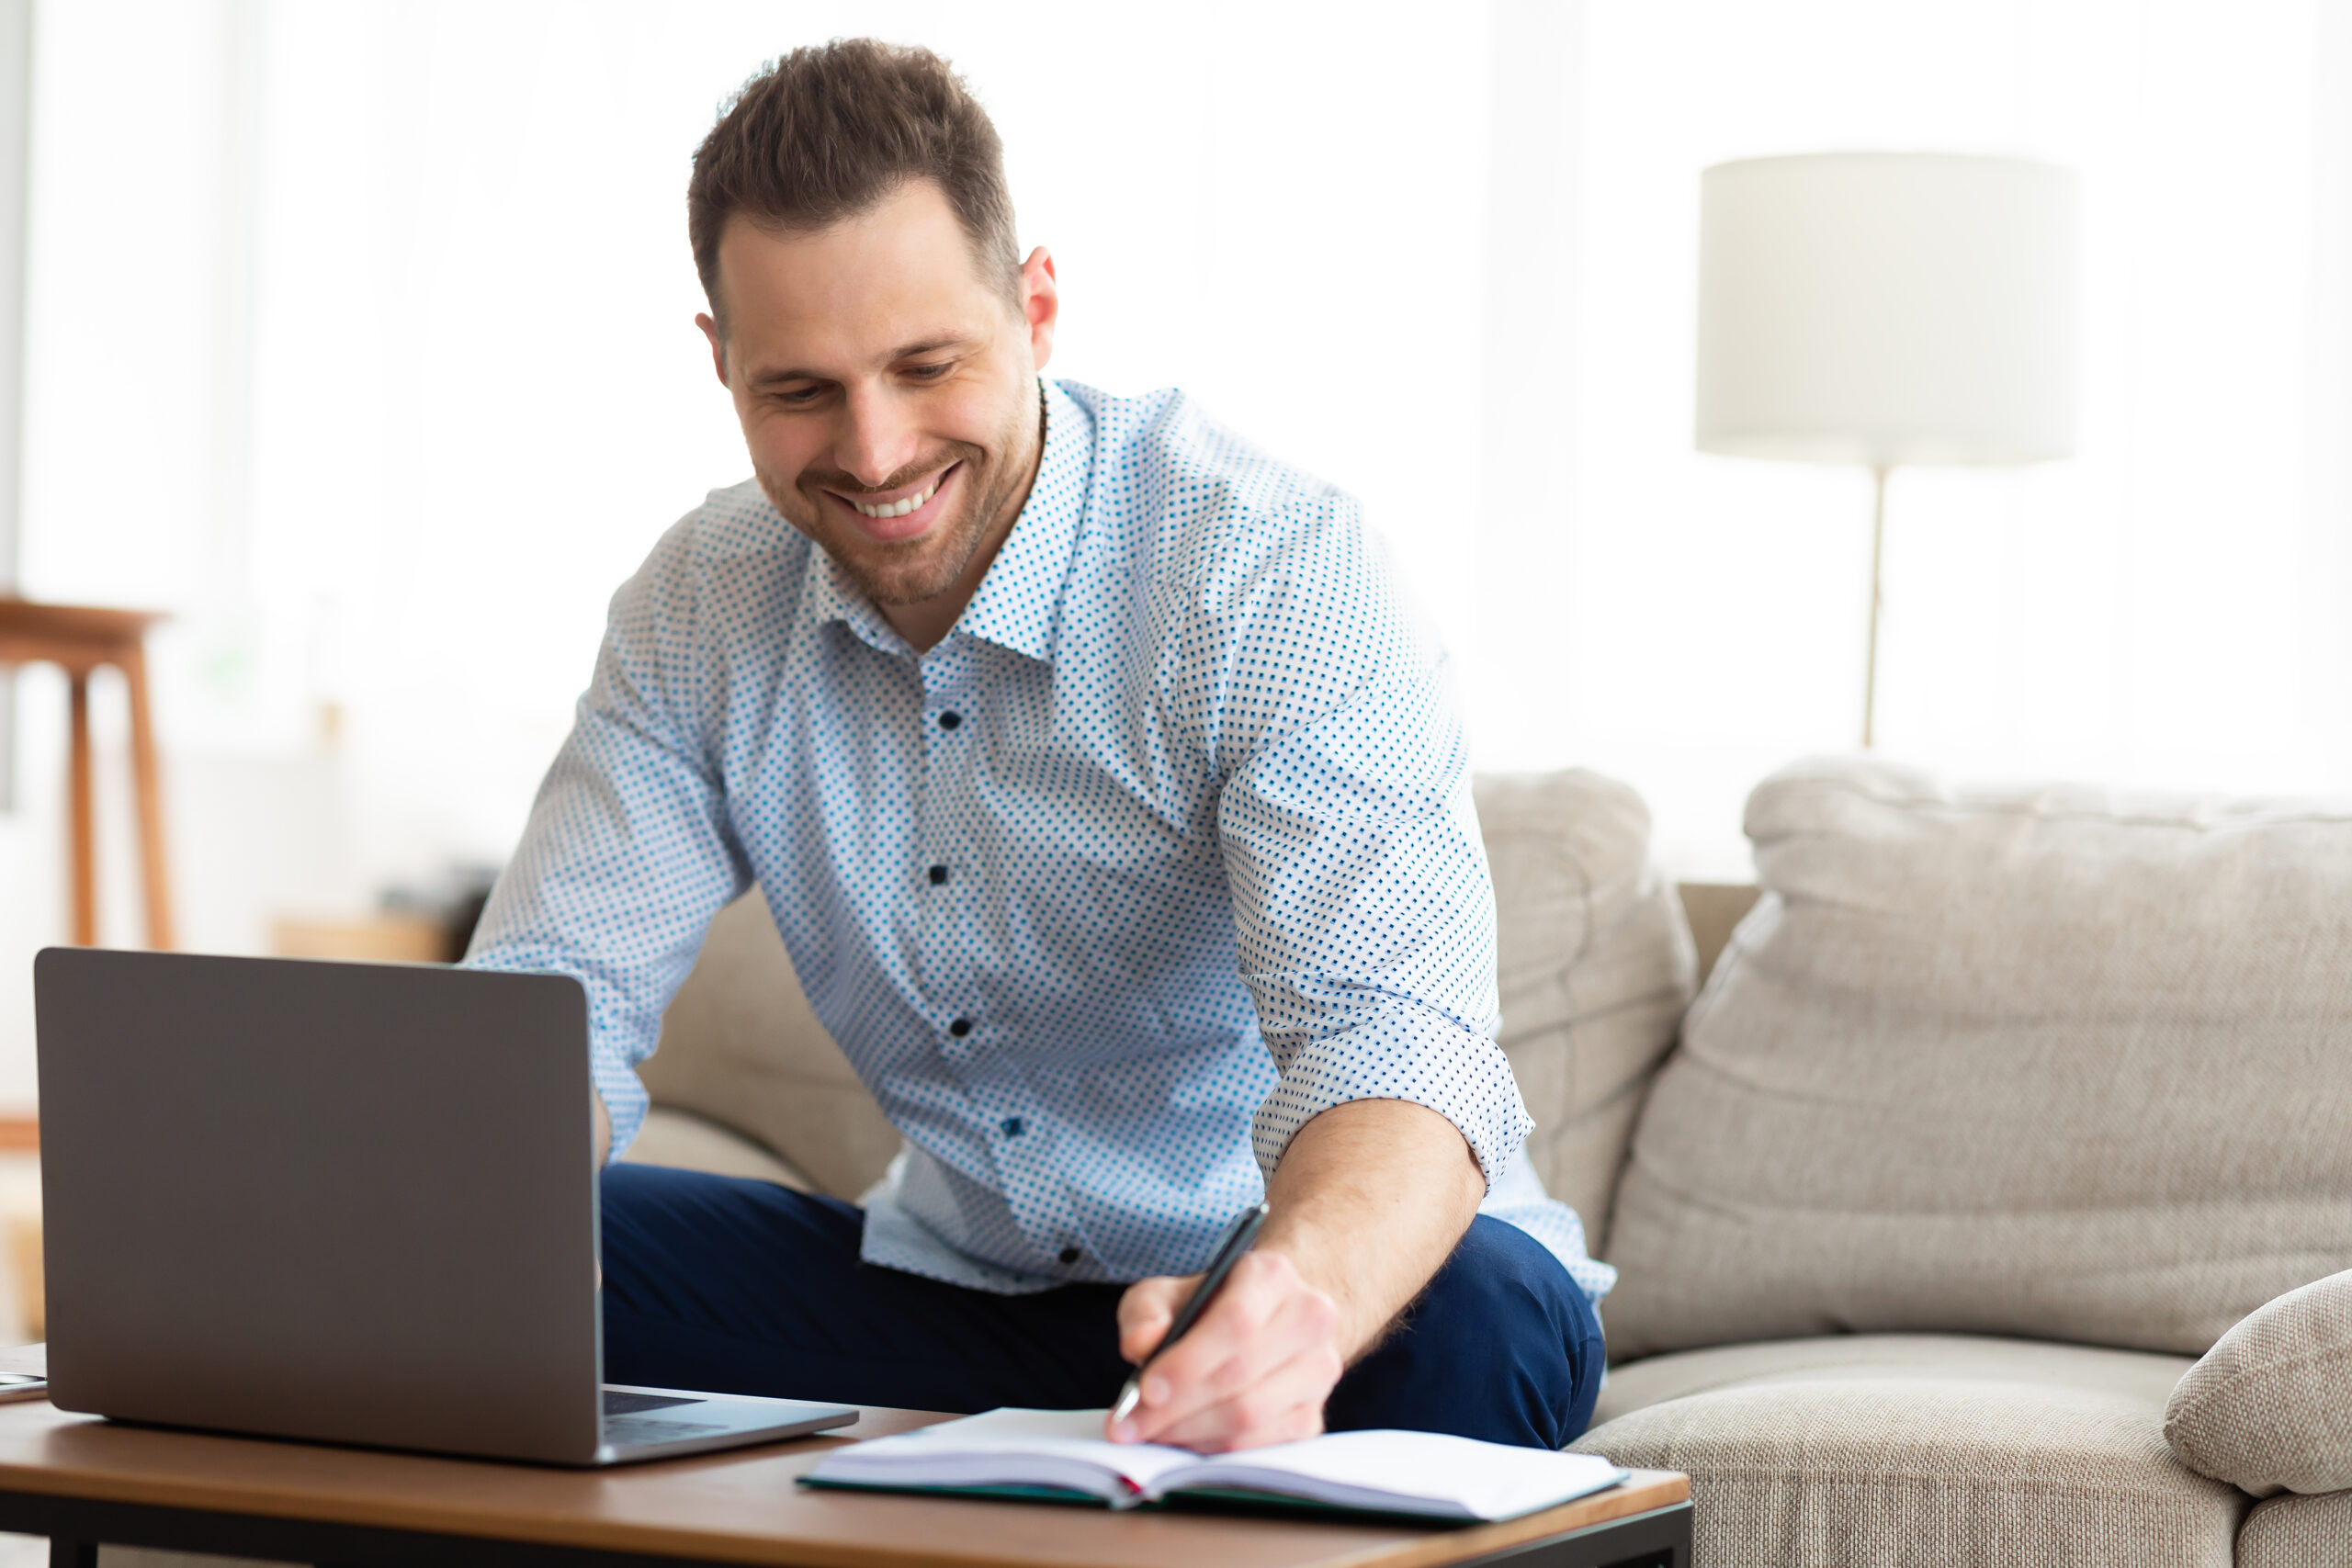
(345, 1201)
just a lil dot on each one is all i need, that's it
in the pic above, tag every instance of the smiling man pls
(1112, 806)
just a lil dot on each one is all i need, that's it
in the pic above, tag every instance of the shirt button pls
(1013, 1126)
(960, 1028)
(938, 875)
(950, 720)
(1069, 1254)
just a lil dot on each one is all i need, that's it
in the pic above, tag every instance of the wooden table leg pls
(84, 819)
(150, 791)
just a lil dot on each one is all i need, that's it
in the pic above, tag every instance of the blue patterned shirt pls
(1166, 848)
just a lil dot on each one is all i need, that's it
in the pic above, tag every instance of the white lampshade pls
(1887, 308)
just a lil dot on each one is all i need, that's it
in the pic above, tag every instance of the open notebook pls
(1060, 1454)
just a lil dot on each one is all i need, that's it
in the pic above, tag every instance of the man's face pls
(888, 392)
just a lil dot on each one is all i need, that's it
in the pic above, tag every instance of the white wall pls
(361, 339)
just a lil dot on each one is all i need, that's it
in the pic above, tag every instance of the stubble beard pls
(922, 567)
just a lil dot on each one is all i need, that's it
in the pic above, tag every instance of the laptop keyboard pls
(626, 1426)
(640, 1431)
(619, 1402)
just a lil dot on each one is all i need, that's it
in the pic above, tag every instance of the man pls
(1113, 811)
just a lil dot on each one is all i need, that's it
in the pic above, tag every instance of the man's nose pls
(877, 438)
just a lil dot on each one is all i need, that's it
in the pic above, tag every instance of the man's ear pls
(718, 346)
(1041, 302)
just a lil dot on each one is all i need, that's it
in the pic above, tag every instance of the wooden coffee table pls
(80, 1481)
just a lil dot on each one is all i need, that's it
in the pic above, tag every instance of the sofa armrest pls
(2269, 1408)
(2288, 1531)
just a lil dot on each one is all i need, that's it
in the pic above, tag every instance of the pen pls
(1229, 1249)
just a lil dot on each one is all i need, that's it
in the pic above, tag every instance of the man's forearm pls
(1367, 1203)
(604, 1129)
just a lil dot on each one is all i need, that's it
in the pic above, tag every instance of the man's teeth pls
(898, 507)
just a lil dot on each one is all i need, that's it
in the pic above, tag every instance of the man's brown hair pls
(830, 131)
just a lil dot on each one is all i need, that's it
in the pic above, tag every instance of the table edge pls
(1642, 1492)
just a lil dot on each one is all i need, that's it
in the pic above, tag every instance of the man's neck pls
(928, 621)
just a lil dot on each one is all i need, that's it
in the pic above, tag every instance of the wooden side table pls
(81, 1481)
(82, 639)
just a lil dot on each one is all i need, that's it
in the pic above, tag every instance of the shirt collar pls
(831, 596)
(1018, 603)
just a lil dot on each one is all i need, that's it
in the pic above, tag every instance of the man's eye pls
(798, 397)
(927, 372)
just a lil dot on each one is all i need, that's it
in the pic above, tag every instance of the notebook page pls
(1011, 1446)
(1430, 1472)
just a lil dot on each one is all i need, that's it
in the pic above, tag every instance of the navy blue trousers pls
(727, 1285)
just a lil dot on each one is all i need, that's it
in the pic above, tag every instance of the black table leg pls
(72, 1553)
(1659, 1539)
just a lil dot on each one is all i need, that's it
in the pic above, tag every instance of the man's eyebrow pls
(934, 345)
(907, 351)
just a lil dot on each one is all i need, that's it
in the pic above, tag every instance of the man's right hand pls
(1256, 1369)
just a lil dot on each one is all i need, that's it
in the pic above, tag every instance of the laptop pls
(347, 1203)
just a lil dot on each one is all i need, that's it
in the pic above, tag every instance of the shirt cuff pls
(1411, 1054)
(623, 1093)
(616, 1082)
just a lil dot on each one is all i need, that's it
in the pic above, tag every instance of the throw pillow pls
(2269, 1408)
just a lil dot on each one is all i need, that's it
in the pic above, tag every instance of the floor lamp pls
(1885, 310)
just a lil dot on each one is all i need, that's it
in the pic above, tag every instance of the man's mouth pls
(900, 508)
(891, 518)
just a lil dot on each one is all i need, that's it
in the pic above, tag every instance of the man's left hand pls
(1255, 1369)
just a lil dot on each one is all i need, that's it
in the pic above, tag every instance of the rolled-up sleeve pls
(627, 855)
(1361, 899)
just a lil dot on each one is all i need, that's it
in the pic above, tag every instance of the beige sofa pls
(1998, 1112)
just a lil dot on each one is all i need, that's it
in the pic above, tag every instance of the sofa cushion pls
(1594, 966)
(739, 1047)
(2047, 1063)
(2269, 1407)
(1873, 1448)
(2298, 1532)
(680, 1138)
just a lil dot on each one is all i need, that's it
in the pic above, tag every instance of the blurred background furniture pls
(381, 939)
(1998, 1114)
(83, 640)
(1885, 309)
